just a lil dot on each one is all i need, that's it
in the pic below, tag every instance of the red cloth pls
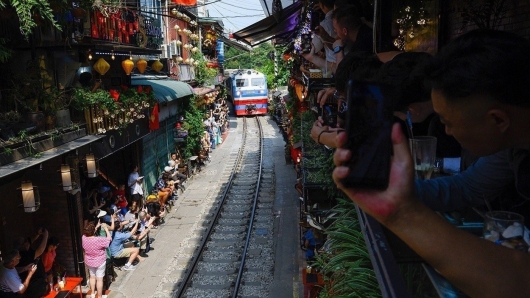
(121, 201)
(154, 124)
(185, 2)
(47, 260)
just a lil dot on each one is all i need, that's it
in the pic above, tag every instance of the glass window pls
(241, 83)
(256, 82)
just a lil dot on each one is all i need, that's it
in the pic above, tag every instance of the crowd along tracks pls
(235, 258)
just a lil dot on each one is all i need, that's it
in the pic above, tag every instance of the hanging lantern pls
(194, 49)
(174, 11)
(157, 66)
(187, 61)
(179, 43)
(66, 177)
(177, 27)
(127, 65)
(179, 59)
(195, 63)
(30, 197)
(101, 66)
(91, 167)
(141, 65)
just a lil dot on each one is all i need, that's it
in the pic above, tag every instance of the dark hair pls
(484, 61)
(89, 229)
(327, 3)
(356, 65)
(363, 6)
(348, 16)
(406, 73)
(10, 256)
(52, 241)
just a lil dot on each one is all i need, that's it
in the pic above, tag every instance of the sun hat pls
(168, 169)
(101, 213)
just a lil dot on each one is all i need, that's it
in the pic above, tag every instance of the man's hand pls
(32, 269)
(318, 127)
(320, 32)
(325, 94)
(388, 205)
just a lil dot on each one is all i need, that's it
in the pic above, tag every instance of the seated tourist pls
(117, 249)
(30, 251)
(11, 285)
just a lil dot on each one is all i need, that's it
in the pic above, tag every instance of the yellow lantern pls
(127, 66)
(157, 66)
(141, 65)
(101, 66)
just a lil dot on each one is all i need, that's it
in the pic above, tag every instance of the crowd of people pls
(473, 97)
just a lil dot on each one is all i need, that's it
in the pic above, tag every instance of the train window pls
(241, 83)
(257, 82)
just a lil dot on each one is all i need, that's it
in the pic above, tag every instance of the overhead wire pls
(239, 6)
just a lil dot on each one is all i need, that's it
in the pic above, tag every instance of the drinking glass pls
(423, 149)
(502, 227)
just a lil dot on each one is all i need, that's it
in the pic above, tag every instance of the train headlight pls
(238, 93)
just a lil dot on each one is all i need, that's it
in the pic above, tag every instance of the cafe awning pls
(235, 44)
(165, 90)
(279, 25)
(25, 163)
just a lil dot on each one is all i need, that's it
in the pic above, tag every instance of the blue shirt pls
(116, 246)
(486, 179)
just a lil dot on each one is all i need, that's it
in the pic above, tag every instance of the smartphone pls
(305, 43)
(329, 115)
(369, 120)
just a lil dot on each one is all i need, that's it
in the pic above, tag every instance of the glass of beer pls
(423, 149)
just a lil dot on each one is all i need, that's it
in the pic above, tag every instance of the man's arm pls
(42, 245)
(484, 180)
(476, 266)
(28, 278)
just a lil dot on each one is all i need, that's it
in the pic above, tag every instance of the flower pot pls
(37, 119)
(50, 122)
(63, 118)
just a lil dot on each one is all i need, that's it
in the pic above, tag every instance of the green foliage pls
(84, 98)
(27, 10)
(258, 59)
(5, 52)
(203, 75)
(194, 125)
(346, 264)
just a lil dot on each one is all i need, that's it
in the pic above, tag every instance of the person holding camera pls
(480, 92)
(117, 248)
(11, 284)
(95, 254)
(30, 251)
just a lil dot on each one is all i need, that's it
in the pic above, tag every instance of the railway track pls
(235, 256)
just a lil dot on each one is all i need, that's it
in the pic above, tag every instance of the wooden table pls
(71, 284)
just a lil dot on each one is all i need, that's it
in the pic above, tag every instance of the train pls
(247, 88)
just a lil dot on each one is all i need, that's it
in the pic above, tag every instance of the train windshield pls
(241, 82)
(257, 82)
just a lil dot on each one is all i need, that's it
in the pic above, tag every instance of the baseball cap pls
(104, 189)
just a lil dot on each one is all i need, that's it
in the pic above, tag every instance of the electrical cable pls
(240, 6)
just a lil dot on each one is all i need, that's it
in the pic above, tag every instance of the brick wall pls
(53, 213)
(516, 20)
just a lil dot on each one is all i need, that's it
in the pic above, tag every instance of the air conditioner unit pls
(173, 46)
(164, 51)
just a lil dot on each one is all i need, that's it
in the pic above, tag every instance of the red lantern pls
(131, 28)
(94, 31)
(111, 34)
(118, 24)
(126, 38)
(136, 25)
